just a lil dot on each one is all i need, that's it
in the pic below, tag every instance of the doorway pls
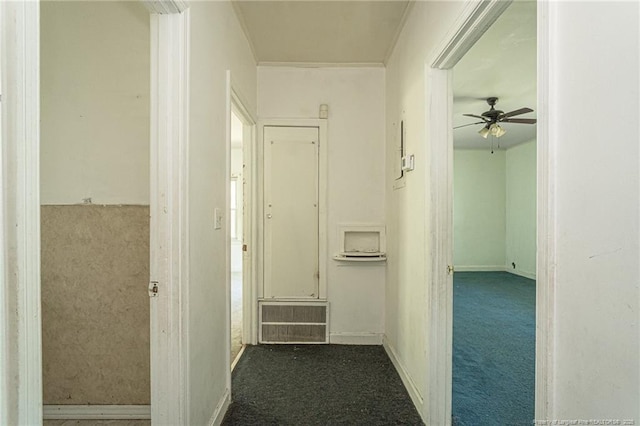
(95, 210)
(236, 221)
(240, 226)
(475, 19)
(494, 223)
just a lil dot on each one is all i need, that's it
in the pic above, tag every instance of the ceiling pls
(503, 64)
(321, 31)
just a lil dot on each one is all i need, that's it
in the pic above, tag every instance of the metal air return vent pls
(294, 322)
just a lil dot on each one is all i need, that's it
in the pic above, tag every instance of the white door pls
(291, 212)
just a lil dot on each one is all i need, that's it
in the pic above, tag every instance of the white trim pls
(322, 64)
(22, 391)
(475, 19)
(439, 300)
(169, 218)
(237, 358)
(495, 268)
(480, 268)
(221, 409)
(412, 389)
(227, 231)
(97, 412)
(323, 177)
(346, 338)
(521, 273)
(546, 214)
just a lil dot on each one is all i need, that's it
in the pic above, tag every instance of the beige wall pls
(95, 264)
(217, 45)
(95, 258)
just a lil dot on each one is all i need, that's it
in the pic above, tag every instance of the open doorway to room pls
(236, 215)
(494, 224)
(95, 214)
(241, 235)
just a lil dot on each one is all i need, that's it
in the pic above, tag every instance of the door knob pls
(269, 216)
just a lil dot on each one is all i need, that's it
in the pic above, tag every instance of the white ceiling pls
(503, 64)
(321, 31)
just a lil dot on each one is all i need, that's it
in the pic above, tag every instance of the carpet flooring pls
(493, 349)
(318, 385)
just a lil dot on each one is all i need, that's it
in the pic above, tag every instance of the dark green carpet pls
(493, 349)
(318, 385)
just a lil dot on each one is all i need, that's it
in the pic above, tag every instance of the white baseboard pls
(237, 358)
(531, 276)
(96, 412)
(479, 268)
(494, 268)
(221, 409)
(355, 338)
(417, 399)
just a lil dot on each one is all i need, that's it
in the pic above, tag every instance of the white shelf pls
(378, 257)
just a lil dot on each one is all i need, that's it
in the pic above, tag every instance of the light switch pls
(217, 218)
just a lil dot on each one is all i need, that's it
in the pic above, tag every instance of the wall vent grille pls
(294, 322)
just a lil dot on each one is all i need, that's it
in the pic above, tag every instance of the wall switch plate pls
(217, 218)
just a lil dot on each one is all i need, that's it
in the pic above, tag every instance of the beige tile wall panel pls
(95, 306)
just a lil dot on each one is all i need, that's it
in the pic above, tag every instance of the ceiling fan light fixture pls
(484, 132)
(496, 130)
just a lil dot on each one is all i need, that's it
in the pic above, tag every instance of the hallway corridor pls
(318, 385)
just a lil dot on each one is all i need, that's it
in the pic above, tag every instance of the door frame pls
(322, 126)
(237, 105)
(169, 211)
(477, 16)
(21, 321)
(21, 397)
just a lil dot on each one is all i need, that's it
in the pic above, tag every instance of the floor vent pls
(294, 322)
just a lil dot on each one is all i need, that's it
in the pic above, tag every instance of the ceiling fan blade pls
(485, 119)
(470, 124)
(516, 112)
(520, 120)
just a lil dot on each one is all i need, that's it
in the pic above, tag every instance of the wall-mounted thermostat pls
(408, 163)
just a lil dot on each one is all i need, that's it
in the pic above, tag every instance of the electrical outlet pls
(217, 218)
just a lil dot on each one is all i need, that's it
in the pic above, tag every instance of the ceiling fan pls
(493, 117)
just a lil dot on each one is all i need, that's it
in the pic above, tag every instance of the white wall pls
(594, 56)
(520, 209)
(408, 208)
(494, 210)
(217, 44)
(479, 209)
(355, 185)
(95, 110)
